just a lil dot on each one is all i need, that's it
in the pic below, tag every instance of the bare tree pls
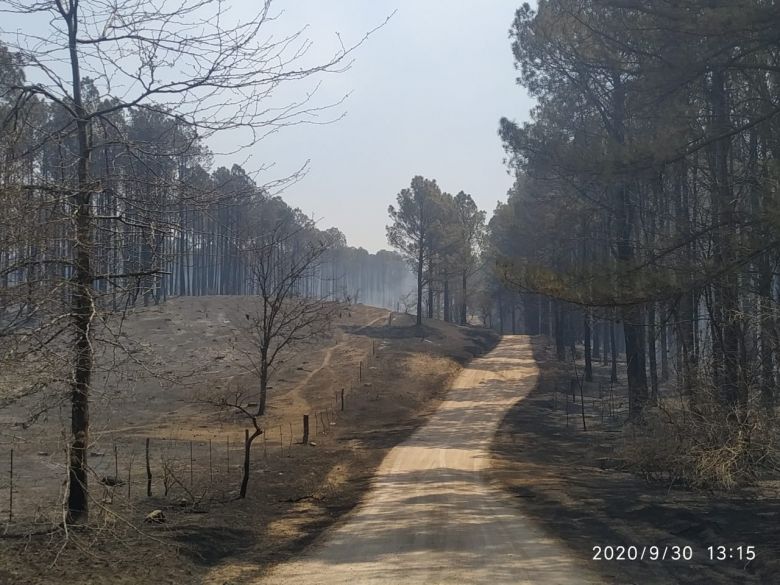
(281, 259)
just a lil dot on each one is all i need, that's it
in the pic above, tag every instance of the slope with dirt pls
(295, 490)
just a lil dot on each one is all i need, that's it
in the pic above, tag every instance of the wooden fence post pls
(342, 400)
(191, 461)
(305, 439)
(148, 472)
(130, 474)
(11, 489)
(245, 479)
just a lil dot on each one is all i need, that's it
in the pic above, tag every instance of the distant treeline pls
(164, 224)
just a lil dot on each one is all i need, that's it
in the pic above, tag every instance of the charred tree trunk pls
(613, 353)
(636, 373)
(588, 348)
(501, 312)
(651, 352)
(768, 381)
(560, 341)
(447, 317)
(729, 310)
(664, 337)
(248, 440)
(420, 268)
(463, 301)
(263, 382)
(82, 297)
(430, 290)
(631, 314)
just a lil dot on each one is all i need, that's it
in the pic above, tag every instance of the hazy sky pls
(427, 91)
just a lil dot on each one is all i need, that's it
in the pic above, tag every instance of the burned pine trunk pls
(726, 294)
(82, 297)
(587, 328)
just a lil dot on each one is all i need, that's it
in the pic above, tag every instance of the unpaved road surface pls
(431, 517)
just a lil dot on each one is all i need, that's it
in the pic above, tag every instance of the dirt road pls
(430, 516)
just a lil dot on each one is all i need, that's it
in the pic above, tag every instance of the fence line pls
(172, 467)
(607, 407)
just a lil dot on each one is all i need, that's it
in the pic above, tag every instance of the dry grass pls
(294, 494)
(709, 446)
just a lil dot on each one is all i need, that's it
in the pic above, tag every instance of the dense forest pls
(165, 224)
(641, 229)
(643, 219)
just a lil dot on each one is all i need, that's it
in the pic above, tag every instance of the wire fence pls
(589, 405)
(126, 471)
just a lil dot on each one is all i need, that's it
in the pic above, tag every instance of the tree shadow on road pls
(555, 474)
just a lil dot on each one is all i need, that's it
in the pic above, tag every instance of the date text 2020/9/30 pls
(670, 552)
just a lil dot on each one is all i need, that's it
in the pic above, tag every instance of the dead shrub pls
(709, 446)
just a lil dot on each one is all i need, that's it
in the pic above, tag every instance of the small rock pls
(96, 454)
(312, 443)
(155, 517)
(111, 481)
(43, 453)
